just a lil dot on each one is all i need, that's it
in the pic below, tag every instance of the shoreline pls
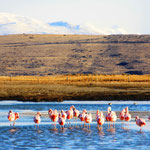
(141, 114)
(97, 98)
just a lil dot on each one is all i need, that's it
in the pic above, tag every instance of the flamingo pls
(111, 115)
(140, 122)
(63, 114)
(76, 114)
(82, 116)
(37, 119)
(100, 118)
(16, 116)
(61, 121)
(70, 113)
(88, 119)
(107, 117)
(12, 117)
(50, 111)
(54, 117)
(122, 114)
(127, 116)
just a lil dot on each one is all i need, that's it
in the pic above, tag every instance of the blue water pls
(29, 138)
(45, 106)
(24, 136)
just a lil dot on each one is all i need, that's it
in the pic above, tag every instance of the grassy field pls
(75, 87)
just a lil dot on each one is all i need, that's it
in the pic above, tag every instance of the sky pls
(129, 15)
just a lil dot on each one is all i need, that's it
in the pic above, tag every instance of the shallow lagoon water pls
(25, 136)
(80, 105)
(28, 138)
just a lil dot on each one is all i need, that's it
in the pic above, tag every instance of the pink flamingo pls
(100, 118)
(88, 119)
(111, 115)
(54, 117)
(70, 114)
(127, 116)
(63, 114)
(82, 116)
(37, 119)
(122, 114)
(61, 121)
(76, 114)
(107, 117)
(140, 122)
(50, 111)
(12, 117)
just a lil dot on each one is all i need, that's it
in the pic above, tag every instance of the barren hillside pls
(71, 54)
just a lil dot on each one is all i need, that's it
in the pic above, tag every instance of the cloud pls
(15, 24)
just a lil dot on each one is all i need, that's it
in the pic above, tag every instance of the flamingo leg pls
(69, 124)
(76, 122)
(108, 125)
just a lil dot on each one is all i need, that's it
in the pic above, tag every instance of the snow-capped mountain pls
(15, 24)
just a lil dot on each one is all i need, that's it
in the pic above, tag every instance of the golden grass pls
(75, 87)
(75, 79)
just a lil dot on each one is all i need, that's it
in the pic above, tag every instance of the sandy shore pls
(142, 114)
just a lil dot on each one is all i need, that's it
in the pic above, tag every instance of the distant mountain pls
(15, 24)
(34, 54)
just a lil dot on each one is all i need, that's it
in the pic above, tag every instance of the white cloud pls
(14, 24)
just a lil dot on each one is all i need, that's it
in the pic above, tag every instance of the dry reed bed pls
(63, 79)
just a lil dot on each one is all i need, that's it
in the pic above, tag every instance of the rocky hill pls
(28, 54)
